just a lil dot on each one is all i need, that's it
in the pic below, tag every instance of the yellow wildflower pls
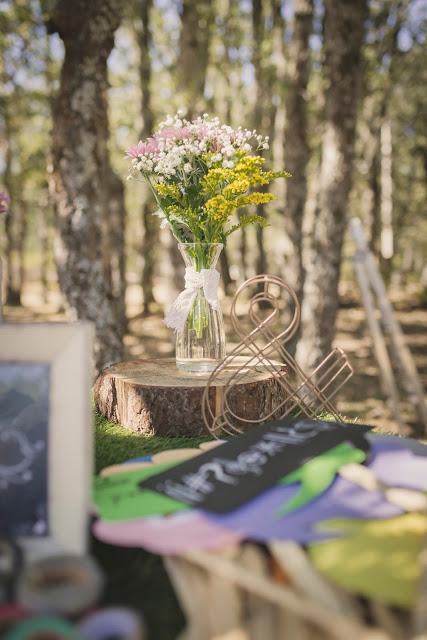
(254, 198)
(219, 208)
(236, 187)
(168, 190)
(215, 179)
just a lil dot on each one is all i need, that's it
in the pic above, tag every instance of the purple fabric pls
(258, 520)
(417, 447)
(397, 466)
(114, 622)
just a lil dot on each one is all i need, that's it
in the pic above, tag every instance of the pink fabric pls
(173, 535)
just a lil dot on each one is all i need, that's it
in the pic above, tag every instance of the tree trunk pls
(375, 193)
(196, 21)
(79, 161)
(297, 151)
(265, 104)
(386, 206)
(243, 253)
(150, 250)
(149, 223)
(344, 29)
(13, 293)
(262, 102)
(20, 244)
(225, 270)
(45, 223)
(113, 227)
(377, 150)
(116, 211)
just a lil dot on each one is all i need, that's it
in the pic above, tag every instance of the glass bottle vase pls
(200, 344)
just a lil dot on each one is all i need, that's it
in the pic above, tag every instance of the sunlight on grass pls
(115, 444)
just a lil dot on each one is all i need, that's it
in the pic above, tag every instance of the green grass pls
(135, 578)
(115, 444)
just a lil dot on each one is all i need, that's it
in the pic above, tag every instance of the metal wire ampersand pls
(289, 391)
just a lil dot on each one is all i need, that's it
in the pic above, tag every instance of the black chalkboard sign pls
(224, 478)
(24, 422)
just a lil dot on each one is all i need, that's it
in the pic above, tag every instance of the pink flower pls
(202, 131)
(151, 146)
(177, 133)
(4, 201)
(143, 148)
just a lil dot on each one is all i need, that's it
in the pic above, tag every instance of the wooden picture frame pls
(49, 363)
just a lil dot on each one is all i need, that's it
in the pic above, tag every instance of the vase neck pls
(200, 255)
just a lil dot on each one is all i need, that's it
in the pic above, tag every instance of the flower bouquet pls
(200, 173)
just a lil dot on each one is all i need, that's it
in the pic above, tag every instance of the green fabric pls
(43, 627)
(378, 559)
(118, 497)
(317, 474)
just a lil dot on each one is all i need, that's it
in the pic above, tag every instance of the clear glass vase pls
(200, 344)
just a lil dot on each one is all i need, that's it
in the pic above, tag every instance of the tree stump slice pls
(153, 397)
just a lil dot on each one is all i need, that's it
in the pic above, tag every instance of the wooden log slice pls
(153, 397)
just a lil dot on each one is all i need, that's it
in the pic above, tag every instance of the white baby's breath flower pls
(178, 139)
(228, 164)
(163, 220)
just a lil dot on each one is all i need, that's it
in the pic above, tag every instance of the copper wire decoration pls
(261, 318)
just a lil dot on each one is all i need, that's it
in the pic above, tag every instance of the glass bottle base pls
(197, 366)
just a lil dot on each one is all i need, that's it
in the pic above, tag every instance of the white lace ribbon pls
(206, 279)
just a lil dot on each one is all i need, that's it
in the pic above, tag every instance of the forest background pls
(338, 85)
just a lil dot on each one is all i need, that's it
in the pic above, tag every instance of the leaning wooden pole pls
(410, 378)
(378, 342)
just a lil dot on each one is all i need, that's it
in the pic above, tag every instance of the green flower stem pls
(198, 318)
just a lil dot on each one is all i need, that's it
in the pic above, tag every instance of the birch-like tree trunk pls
(344, 30)
(79, 161)
(296, 147)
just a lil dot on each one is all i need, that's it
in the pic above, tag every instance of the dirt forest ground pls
(361, 398)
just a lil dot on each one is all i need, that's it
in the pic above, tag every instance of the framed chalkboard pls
(45, 434)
